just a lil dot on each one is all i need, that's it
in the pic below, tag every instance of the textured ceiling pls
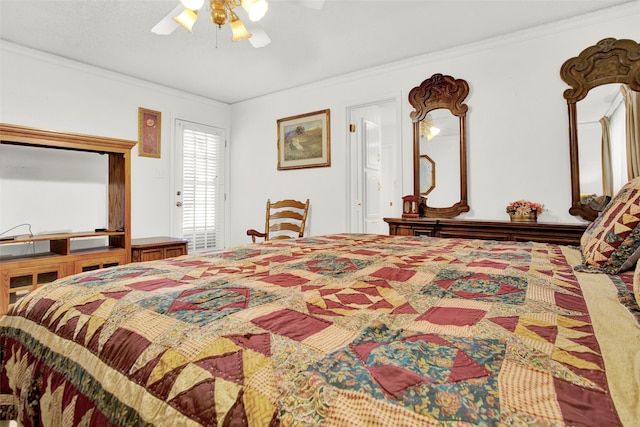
(307, 44)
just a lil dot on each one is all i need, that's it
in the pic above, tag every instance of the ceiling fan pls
(223, 11)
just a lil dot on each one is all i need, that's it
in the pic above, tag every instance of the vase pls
(522, 217)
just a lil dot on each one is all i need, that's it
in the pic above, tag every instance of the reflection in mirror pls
(438, 104)
(609, 61)
(602, 149)
(442, 147)
(427, 175)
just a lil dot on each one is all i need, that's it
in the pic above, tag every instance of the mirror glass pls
(602, 101)
(440, 142)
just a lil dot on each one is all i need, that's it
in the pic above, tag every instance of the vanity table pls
(563, 234)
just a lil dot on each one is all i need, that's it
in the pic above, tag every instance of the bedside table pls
(154, 248)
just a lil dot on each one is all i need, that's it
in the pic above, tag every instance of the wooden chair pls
(285, 219)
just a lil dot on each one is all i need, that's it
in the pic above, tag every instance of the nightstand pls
(153, 248)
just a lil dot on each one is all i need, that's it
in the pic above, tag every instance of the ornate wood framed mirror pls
(438, 101)
(610, 61)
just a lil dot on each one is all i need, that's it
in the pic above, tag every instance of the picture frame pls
(149, 131)
(304, 141)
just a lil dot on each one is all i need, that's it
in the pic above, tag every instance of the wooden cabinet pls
(153, 248)
(20, 279)
(563, 234)
(22, 273)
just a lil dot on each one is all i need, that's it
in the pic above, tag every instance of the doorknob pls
(178, 204)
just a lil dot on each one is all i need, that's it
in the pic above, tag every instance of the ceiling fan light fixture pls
(255, 8)
(186, 19)
(433, 131)
(218, 14)
(428, 129)
(192, 4)
(238, 30)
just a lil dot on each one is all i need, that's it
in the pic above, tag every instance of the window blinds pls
(202, 186)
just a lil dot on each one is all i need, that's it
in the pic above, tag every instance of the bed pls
(335, 330)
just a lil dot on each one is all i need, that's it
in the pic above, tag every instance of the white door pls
(371, 143)
(199, 188)
(374, 172)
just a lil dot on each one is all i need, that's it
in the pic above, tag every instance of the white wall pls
(44, 91)
(517, 125)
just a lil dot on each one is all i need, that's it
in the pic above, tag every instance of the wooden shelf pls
(26, 238)
(24, 272)
(60, 244)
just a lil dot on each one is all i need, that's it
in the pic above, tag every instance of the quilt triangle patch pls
(362, 351)
(465, 368)
(328, 291)
(506, 289)
(622, 229)
(470, 295)
(228, 366)
(382, 304)
(630, 220)
(237, 415)
(334, 305)
(260, 343)
(197, 400)
(369, 290)
(117, 294)
(89, 307)
(178, 305)
(405, 308)
(604, 250)
(163, 386)
(314, 309)
(634, 209)
(507, 322)
(549, 333)
(394, 380)
(189, 292)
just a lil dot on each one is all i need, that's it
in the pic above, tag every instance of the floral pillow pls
(611, 243)
(636, 284)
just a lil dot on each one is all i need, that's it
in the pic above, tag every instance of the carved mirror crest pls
(608, 61)
(439, 96)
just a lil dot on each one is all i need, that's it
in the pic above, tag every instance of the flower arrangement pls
(524, 207)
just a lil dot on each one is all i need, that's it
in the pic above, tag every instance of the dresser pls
(154, 248)
(563, 234)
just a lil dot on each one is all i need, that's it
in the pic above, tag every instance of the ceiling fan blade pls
(167, 24)
(259, 37)
(313, 4)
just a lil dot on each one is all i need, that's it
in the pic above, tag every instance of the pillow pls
(611, 243)
(636, 283)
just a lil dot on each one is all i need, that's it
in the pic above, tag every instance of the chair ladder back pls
(283, 220)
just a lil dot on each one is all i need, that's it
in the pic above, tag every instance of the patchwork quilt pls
(337, 330)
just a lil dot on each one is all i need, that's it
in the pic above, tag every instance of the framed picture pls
(304, 141)
(149, 124)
